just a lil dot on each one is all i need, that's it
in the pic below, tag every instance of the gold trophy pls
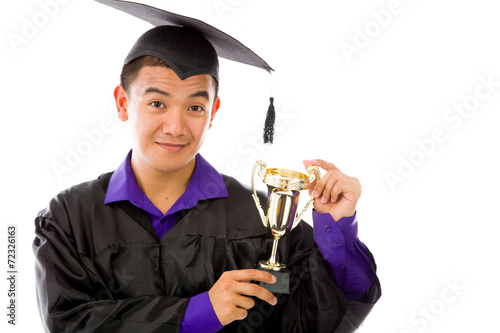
(283, 187)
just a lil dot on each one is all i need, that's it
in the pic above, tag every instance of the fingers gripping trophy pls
(283, 190)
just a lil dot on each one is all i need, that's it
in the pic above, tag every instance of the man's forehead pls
(152, 78)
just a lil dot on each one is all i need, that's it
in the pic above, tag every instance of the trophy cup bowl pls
(283, 190)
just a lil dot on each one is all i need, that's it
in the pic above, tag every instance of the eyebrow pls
(156, 90)
(201, 93)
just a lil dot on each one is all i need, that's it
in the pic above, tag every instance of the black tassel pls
(269, 125)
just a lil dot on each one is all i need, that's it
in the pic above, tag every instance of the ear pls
(215, 107)
(121, 102)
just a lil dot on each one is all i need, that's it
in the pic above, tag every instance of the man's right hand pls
(231, 294)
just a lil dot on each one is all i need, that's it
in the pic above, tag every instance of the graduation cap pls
(189, 46)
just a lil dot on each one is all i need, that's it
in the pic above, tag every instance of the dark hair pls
(131, 70)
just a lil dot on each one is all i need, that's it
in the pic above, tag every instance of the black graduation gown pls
(101, 268)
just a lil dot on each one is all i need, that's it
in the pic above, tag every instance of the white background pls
(435, 227)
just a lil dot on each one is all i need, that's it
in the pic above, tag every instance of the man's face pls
(170, 117)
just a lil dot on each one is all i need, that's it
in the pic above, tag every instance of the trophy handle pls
(258, 168)
(314, 174)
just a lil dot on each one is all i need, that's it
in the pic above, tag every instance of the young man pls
(166, 243)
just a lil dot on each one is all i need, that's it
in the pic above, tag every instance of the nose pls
(174, 123)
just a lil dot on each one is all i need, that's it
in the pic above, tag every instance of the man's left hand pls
(335, 193)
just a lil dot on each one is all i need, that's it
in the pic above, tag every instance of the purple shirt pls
(206, 183)
(349, 259)
(337, 241)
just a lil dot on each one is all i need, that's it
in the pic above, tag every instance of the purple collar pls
(206, 183)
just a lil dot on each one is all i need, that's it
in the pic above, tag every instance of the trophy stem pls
(272, 264)
(274, 251)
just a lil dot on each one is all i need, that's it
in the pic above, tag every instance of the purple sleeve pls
(348, 257)
(200, 316)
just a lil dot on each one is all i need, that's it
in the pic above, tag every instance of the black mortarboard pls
(189, 46)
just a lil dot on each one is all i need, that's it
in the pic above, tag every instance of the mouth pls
(172, 147)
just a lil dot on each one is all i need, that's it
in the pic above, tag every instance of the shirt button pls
(327, 227)
(342, 268)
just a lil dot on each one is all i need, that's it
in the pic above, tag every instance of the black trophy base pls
(282, 284)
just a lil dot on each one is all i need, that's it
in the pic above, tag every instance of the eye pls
(157, 104)
(196, 108)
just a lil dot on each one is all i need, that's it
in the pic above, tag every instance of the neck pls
(162, 188)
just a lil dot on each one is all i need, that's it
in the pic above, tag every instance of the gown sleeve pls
(316, 303)
(73, 298)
